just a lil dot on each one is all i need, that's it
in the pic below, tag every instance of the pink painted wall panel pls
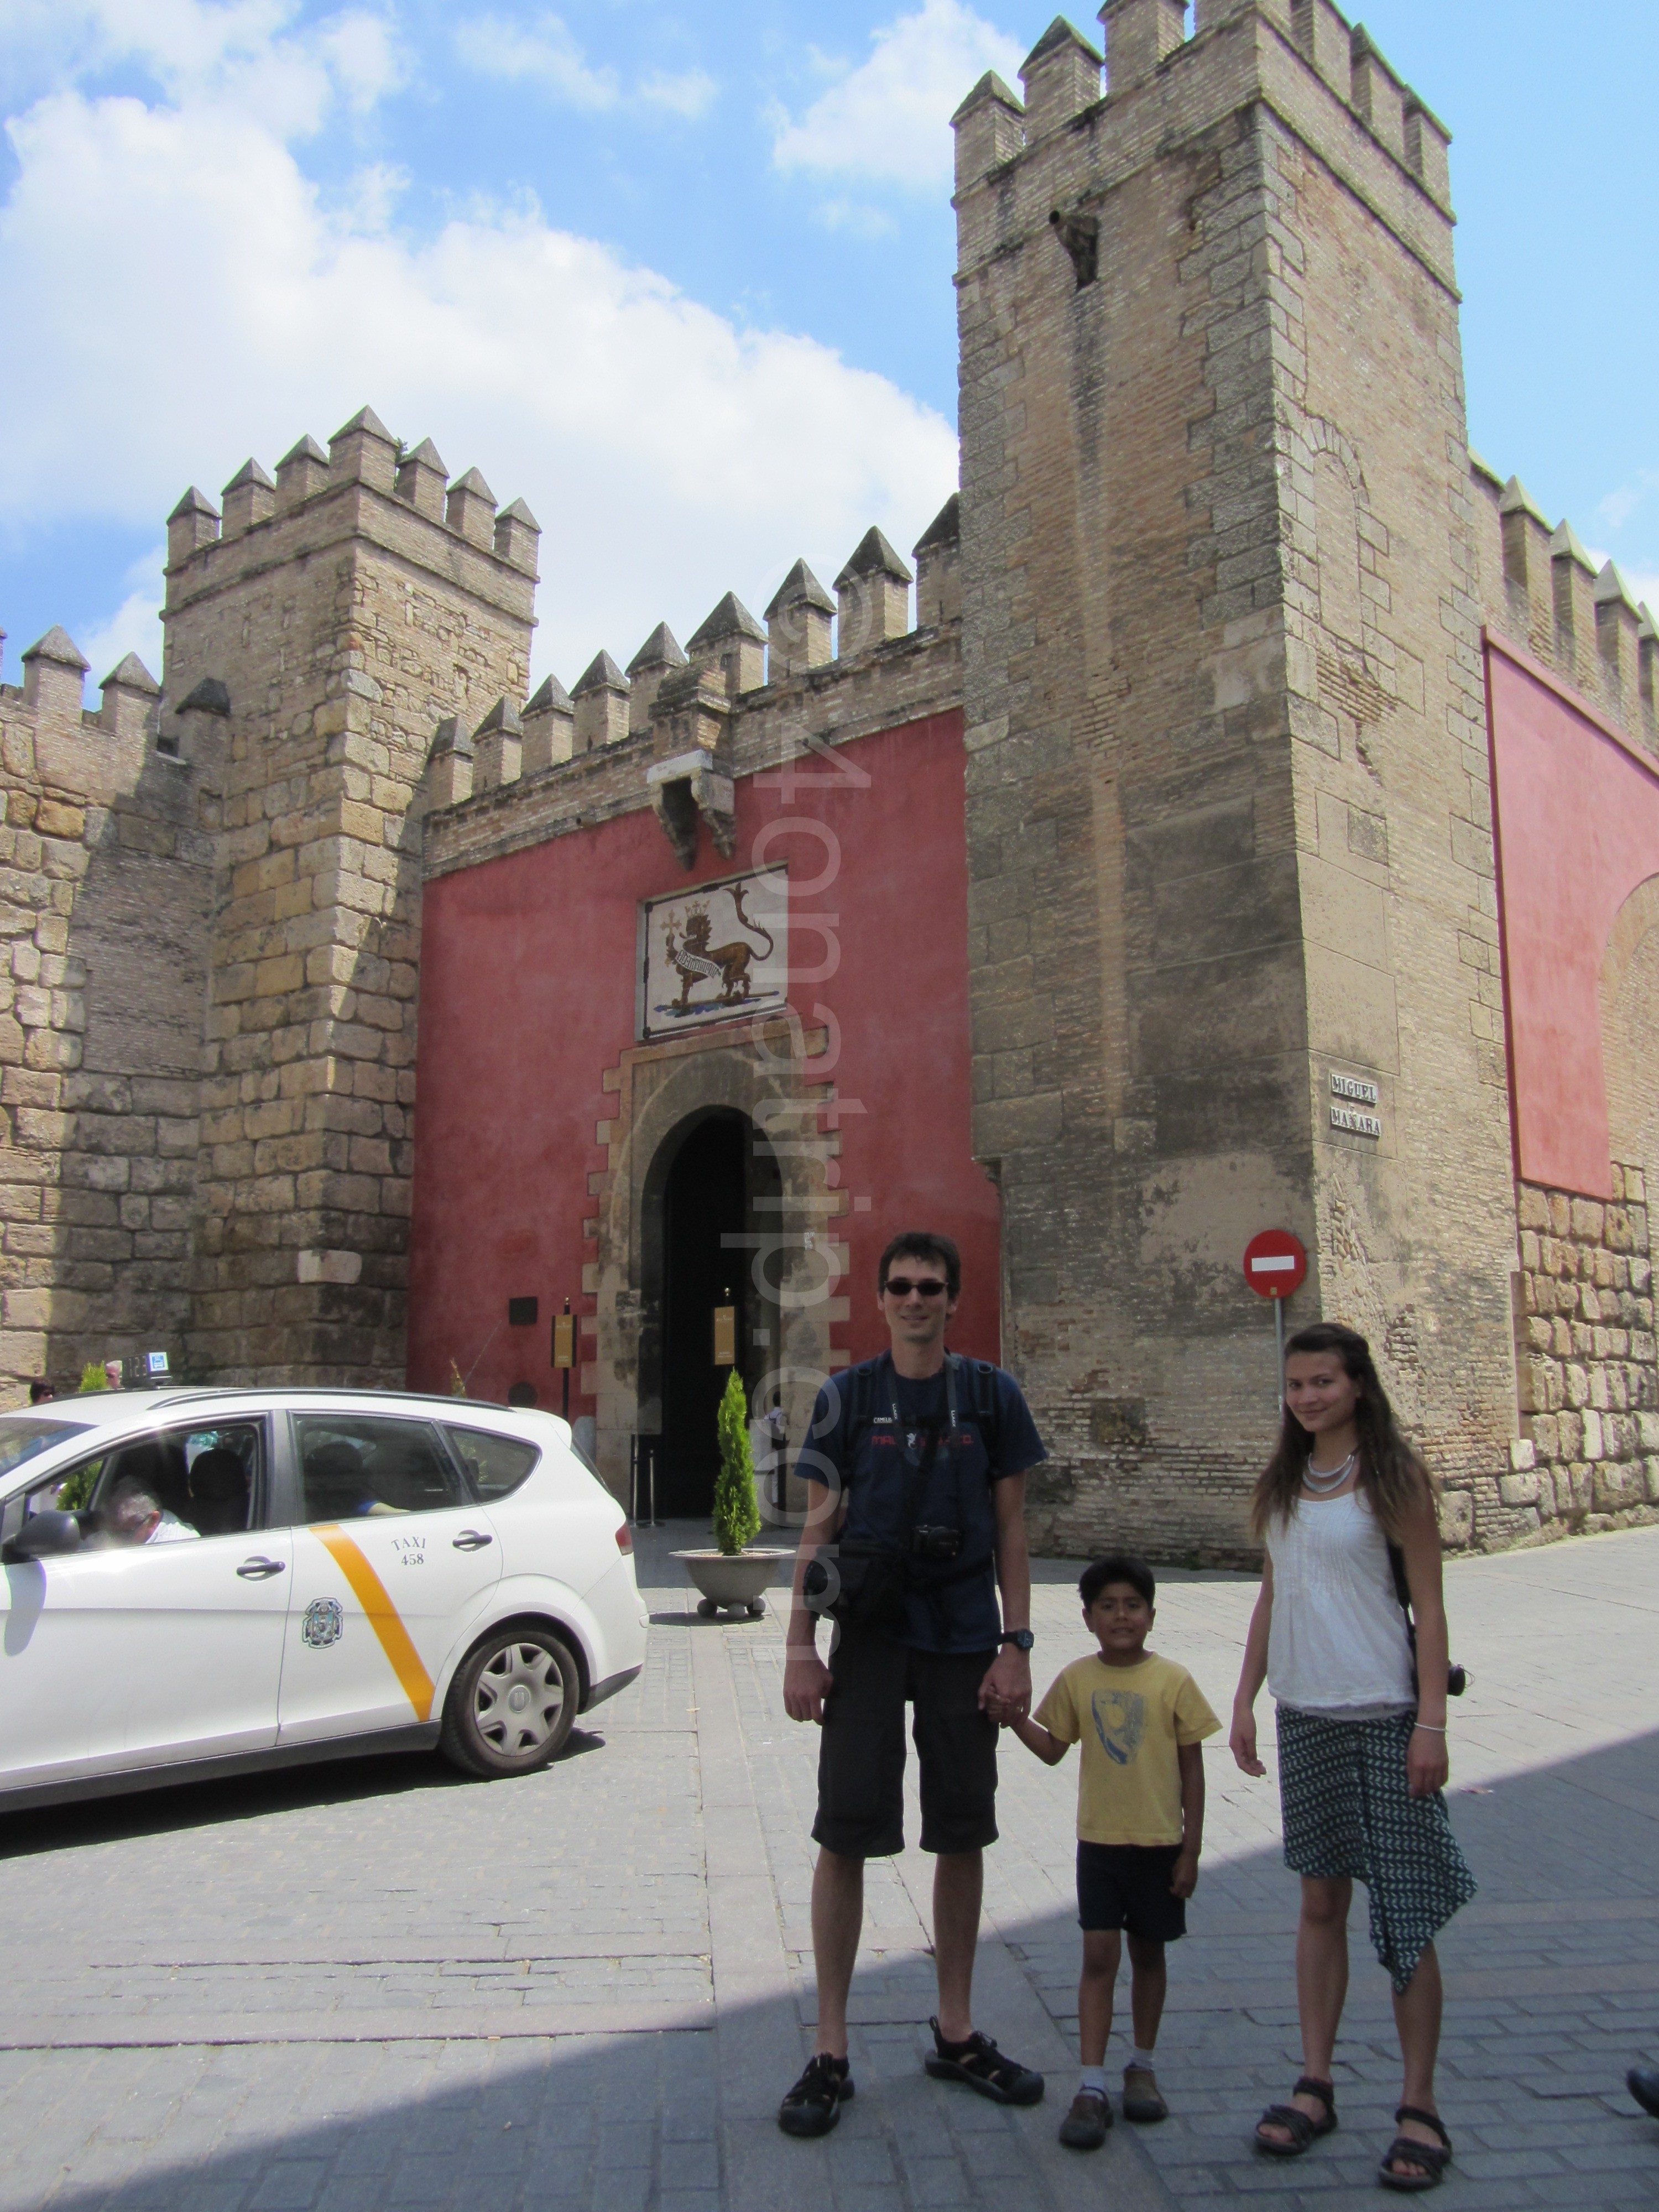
(1578, 813)
(528, 994)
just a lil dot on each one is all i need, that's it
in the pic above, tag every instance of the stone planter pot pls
(733, 1580)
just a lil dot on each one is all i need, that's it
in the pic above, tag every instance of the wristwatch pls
(1021, 1639)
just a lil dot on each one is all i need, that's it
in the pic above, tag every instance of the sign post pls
(1275, 1264)
(564, 1350)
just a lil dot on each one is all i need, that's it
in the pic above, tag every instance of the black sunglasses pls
(901, 1286)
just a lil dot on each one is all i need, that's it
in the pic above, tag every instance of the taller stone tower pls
(313, 644)
(1228, 796)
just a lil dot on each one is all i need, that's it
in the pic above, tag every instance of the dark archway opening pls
(721, 1182)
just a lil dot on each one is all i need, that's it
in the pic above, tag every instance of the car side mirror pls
(44, 1535)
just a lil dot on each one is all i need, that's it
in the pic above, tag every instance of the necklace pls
(1323, 1481)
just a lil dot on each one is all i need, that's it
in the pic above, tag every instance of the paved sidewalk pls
(330, 1989)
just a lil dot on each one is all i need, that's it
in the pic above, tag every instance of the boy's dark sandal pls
(1143, 2101)
(1642, 2083)
(813, 2105)
(1085, 2126)
(979, 2063)
(1410, 2165)
(1303, 2131)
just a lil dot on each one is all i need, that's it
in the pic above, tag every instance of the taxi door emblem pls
(322, 1623)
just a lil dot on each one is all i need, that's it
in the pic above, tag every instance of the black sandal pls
(813, 2105)
(1432, 2159)
(1303, 2131)
(983, 2067)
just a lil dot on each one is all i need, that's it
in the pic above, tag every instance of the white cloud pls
(216, 307)
(547, 55)
(136, 625)
(689, 92)
(856, 219)
(889, 118)
(1617, 509)
(247, 54)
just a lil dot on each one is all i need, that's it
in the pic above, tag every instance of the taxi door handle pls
(257, 1569)
(471, 1539)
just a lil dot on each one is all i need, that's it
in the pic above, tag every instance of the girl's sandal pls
(1430, 2159)
(1303, 2131)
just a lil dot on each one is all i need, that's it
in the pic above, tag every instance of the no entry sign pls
(1275, 1263)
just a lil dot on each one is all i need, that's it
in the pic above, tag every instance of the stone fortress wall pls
(105, 869)
(1213, 604)
(1225, 570)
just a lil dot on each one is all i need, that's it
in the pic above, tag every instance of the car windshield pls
(26, 1436)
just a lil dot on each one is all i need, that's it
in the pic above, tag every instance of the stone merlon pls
(798, 625)
(872, 593)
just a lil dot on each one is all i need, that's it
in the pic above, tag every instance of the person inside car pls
(133, 1517)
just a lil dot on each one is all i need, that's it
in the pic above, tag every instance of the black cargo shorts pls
(861, 1752)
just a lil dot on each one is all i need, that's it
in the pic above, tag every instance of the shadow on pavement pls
(166, 1808)
(1552, 1979)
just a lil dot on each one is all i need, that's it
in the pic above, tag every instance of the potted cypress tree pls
(734, 1575)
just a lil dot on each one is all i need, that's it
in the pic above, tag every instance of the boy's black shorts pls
(861, 1752)
(1128, 1885)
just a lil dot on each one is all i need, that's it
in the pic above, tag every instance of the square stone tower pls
(312, 645)
(1228, 798)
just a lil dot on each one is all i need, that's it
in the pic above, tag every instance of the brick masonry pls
(104, 874)
(1588, 1457)
(1227, 797)
(351, 605)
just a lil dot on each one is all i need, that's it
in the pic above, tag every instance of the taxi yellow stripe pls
(383, 1617)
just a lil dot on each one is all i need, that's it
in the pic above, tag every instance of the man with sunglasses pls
(915, 1467)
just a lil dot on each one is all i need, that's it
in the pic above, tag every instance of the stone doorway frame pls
(764, 1071)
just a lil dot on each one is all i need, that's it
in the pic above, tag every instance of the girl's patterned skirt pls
(1347, 1813)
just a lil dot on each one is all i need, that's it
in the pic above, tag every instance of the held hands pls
(1427, 1763)
(1006, 1692)
(1183, 1881)
(1242, 1741)
(806, 1683)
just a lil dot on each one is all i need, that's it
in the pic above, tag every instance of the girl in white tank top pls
(1362, 1731)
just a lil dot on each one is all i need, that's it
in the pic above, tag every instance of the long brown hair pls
(1391, 1470)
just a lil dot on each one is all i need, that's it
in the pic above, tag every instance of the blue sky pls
(677, 274)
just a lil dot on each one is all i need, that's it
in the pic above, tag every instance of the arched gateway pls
(711, 1196)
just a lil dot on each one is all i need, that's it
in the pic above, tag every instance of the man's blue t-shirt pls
(950, 1605)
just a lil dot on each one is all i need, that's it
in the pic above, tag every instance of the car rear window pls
(25, 1436)
(353, 1464)
(496, 1464)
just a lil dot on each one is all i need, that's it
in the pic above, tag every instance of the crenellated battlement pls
(51, 734)
(1178, 54)
(362, 457)
(1542, 589)
(679, 697)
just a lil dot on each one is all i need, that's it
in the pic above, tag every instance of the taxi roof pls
(116, 1408)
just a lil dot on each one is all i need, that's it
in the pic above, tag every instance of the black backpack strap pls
(1402, 1589)
(981, 1375)
(859, 1384)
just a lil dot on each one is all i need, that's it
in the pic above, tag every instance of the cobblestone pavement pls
(376, 1987)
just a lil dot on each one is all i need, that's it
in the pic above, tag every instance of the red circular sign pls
(1275, 1263)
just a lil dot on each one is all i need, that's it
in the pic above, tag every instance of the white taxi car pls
(197, 1581)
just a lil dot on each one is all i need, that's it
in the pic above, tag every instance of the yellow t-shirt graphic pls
(1120, 1718)
(1129, 1721)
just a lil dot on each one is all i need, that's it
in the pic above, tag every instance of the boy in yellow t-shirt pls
(1141, 1720)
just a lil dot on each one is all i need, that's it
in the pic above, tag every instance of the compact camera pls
(932, 1542)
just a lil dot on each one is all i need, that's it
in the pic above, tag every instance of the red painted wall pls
(528, 994)
(1578, 813)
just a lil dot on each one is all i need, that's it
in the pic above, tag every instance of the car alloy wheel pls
(512, 1704)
